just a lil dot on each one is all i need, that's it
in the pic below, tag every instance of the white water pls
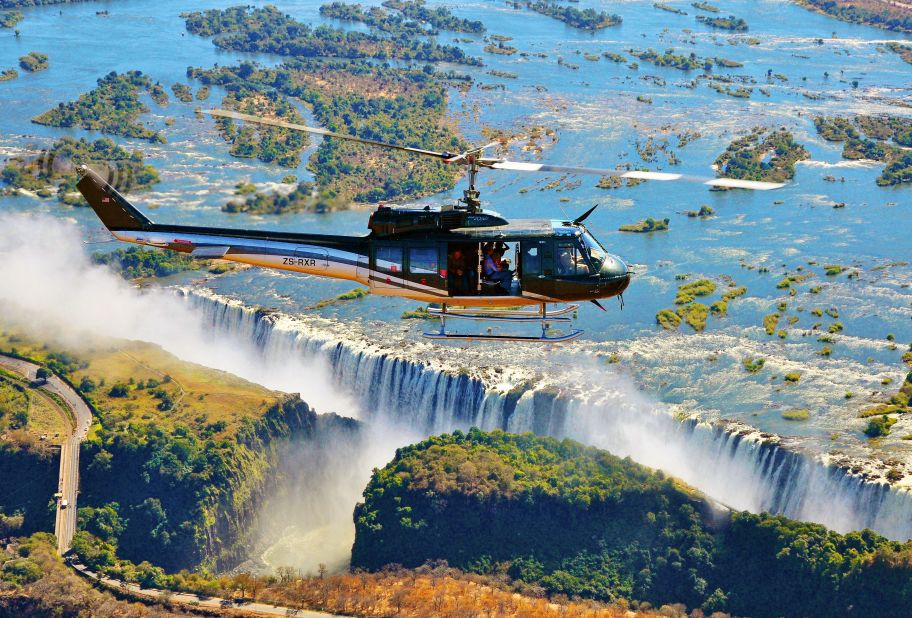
(738, 467)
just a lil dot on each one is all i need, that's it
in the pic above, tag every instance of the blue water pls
(598, 120)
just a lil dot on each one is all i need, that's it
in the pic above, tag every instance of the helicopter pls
(449, 256)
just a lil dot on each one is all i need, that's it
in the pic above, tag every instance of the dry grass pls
(441, 592)
(201, 395)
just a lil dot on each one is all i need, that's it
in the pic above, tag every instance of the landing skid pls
(519, 317)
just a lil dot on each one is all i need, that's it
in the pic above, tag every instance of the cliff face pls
(188, 501)
(28, 480)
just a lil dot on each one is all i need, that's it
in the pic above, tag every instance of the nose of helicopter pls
(615, 273)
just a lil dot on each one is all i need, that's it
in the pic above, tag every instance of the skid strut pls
(519, 317)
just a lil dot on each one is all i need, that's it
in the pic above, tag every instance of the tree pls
(43, 374)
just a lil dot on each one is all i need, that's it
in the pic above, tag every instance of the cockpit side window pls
(570, 259)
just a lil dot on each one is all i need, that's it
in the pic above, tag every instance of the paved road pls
(193, 600)
(65, 525)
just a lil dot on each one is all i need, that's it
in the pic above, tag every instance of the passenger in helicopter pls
(495, 268)
(458, 274)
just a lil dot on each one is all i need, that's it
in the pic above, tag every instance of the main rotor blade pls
(731, 183)
(224, 113)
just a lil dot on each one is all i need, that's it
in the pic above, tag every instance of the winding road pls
(78, 419)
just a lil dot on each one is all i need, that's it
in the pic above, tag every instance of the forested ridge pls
(579, 521)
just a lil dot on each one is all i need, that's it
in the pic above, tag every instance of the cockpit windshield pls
(595, 251)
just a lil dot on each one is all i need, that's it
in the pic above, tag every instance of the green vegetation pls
(139, 262)
(734, 292)
(897, 172)
(690, 62)
(408, 22)
(182, 454)
(255, 141)
(646, 225)
(771, 323)
(735, 24)
(753, 365)
(302, 198)
(183, 92)
(687, 292)
(762, 155)
(438, 17)
(705, 212)
(796, 414)
(52, 169)
(9, 19)
(904, 51)
(668, 8)
(587, 19)
(498, 45)
(577, 521)
(8, 74)
(668, 319)
(879, 426)
(405, 106)
(886, 15)
(33, 62)
(879, 138)
(419, 313)
(705, 6)
(353, 294)
(719, 308)
(112, 107)
(614, 57)
(269, 30)
(793, 377)
(695, 315)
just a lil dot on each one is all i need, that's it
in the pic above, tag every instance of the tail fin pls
(111, 207)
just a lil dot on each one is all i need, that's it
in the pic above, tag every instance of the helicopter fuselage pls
(433, 256)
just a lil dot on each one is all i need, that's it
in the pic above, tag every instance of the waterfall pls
(737, 465)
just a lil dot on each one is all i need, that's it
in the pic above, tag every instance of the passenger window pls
(423, 260)
(389, 259)
(531, 258)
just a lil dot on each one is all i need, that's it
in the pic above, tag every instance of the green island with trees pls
(439, 17)
(735, 24)
(646, 226)
(269, 30)
(254, 141)
(408, 20)
(689, 62)
(302, 198)
(886, 15)
(762, 155)
(880, 138)
(694, 313)
(904, 51)
(112, 107)
(705, 6)
(586, 19)
(9, 19)
(52, 171)
(33, 62)
(578, 521)
(8, 74)
(398, 105)
(142, 263)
